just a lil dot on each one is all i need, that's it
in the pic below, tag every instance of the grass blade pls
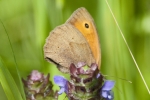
(8, 84)
(16, 66)
(128, 48)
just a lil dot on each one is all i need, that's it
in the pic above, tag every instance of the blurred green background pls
(28, 23)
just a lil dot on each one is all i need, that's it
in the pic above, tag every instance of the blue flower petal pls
(108, 95)
(61, 91)
(108, 85)
(104, 94)
(60, 81)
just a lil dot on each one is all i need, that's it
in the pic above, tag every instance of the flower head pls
(38, 86)
(86, 82)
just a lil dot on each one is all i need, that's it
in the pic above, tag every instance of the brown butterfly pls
(74, 41)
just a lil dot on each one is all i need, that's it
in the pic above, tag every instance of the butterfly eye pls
(86, 25)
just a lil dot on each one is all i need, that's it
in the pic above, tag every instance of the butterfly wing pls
(83, 22)
(66, 45)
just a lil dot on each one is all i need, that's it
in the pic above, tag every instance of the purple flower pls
(35, 75)
(106, 90)
(62, 83)
(98, 75)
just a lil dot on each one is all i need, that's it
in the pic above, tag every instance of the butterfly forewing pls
(83, 22)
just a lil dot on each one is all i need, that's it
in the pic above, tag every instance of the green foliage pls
(28, 23)
(9, 86)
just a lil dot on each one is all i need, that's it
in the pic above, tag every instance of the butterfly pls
(74, 41)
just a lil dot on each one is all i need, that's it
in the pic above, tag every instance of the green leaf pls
(8, 84)
(20, 85)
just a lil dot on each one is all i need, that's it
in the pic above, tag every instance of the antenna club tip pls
(130, 81)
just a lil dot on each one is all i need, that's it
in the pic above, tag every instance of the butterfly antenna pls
(128, 48)
(119, 78)
(118, 89)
